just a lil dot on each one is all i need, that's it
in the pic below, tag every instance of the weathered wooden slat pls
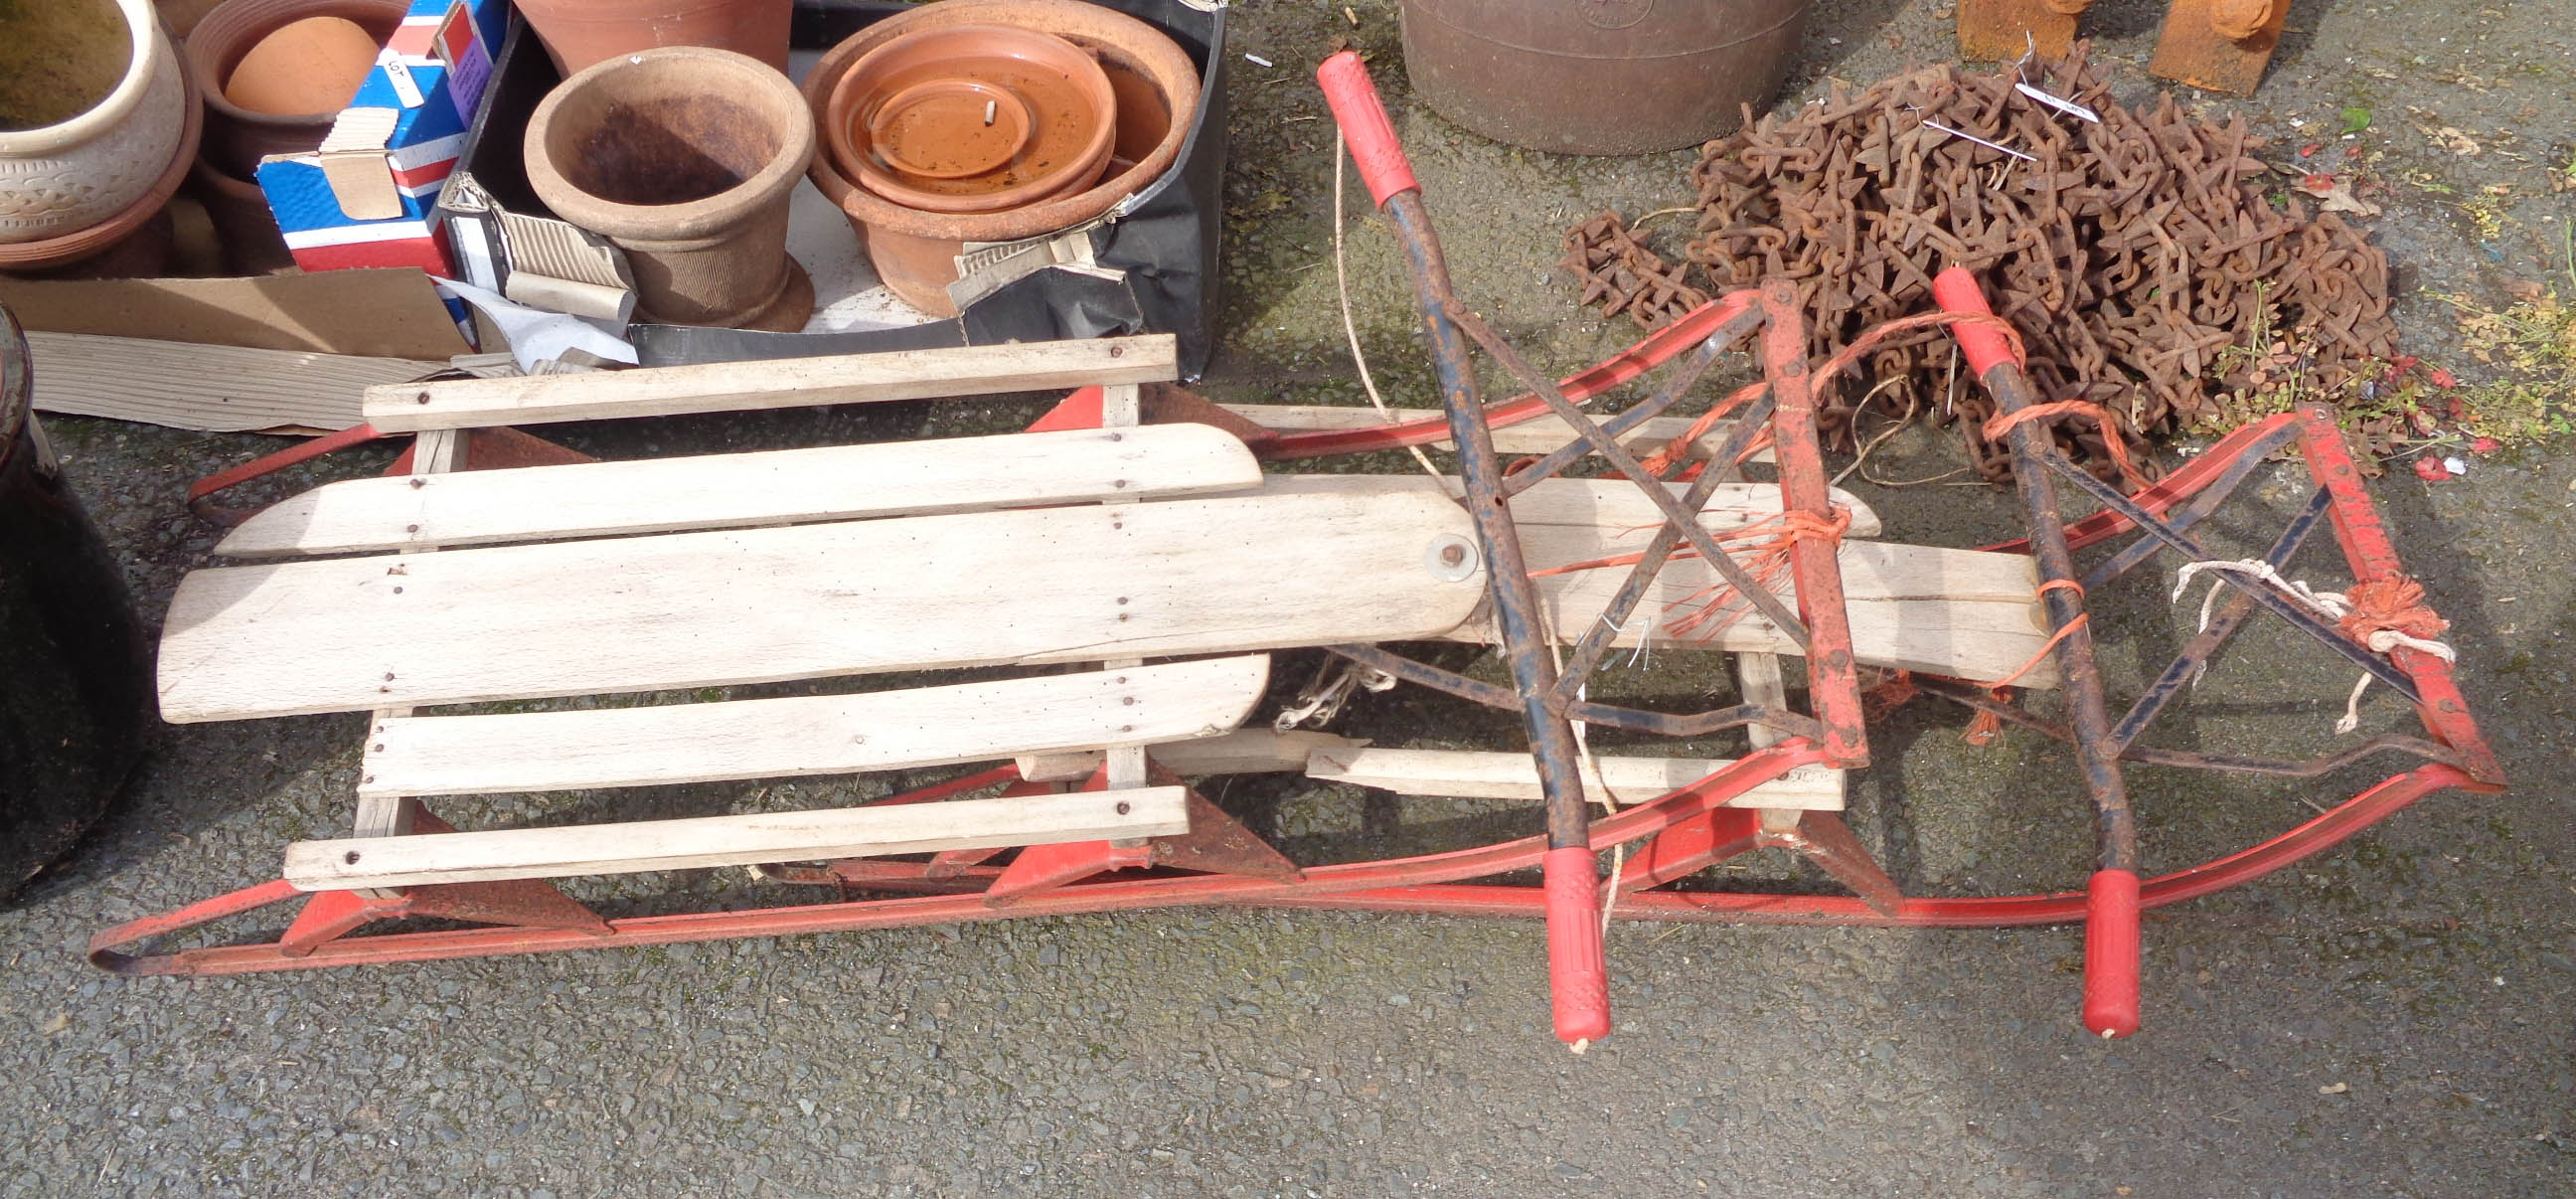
(1963, 613)
(1539, 435)
(1472, 774)
(776, 383)
(719, 491)
(1243, 751)
(431, 858)
(678, 610)
(1611, 513)
(808, 735)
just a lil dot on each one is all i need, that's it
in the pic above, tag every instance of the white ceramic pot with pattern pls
(63, 171)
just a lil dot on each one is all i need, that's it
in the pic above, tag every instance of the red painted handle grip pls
(1956, 290)
(1578, 980)
(2111, 953)
(1356, 108)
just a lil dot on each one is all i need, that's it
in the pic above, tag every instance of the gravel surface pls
(2392, 1017)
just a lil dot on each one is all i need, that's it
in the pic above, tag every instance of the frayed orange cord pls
(2391, 604)
(1842, 360)
(1983, 729)
(1766, 560)
(1892, 692)
(1679, 448)
(2112, 440)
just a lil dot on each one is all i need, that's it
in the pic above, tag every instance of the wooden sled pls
(558, 627)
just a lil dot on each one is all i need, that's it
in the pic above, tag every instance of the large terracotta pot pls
(124, 231)
(1649, 76)
(578, 33)
(1157, 90)
(237, 138)
(92, 107)
(684, 157)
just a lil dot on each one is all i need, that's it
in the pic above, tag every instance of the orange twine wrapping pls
(2112, 441)
(2395, 603)
(1679, 448)
(1766, 560)
(1983, 729)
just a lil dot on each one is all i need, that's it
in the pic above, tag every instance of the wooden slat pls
(688, 844)
(1611, 515)
(1243, 751)
(719, 491)
(1964, 613)
(808, 735)
(678, 610)
(220, 389)
(1764, 683)
(1470, 774)
(777, 383)
(1539, 435)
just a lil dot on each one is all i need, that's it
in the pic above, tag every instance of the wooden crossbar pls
(430, 858)
(776, 383)
(718, 491)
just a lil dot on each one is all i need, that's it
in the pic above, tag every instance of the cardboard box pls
(368, 197)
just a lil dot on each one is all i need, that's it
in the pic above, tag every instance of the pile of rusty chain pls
(1621, 275)
(2139, 256)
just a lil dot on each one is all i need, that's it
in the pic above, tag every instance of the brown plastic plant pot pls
(683, 157)
(914, 251)
(907, 119)
(63, 253)
(578, 33)
(236, 137)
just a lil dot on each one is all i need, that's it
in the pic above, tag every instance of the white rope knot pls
(2331, 605)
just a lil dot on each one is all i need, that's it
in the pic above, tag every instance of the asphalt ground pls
(2392, 1017)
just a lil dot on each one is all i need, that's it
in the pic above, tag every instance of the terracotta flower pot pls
(66, 249)
(1157, 89)
(236, 137)
(684, 157)
(244, 225)
(92, 105)
(908, 119)
(578, 33)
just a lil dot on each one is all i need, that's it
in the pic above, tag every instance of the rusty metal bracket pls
(2222, 45)
(2003, 30)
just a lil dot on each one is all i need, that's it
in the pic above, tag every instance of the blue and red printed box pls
(368, 197)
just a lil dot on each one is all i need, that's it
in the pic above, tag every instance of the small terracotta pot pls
(907, 119)
(684, 157)
(914, 251)
(237, 138)
(244, 225)
(59, 179)
(62, 250)
(578, 33)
